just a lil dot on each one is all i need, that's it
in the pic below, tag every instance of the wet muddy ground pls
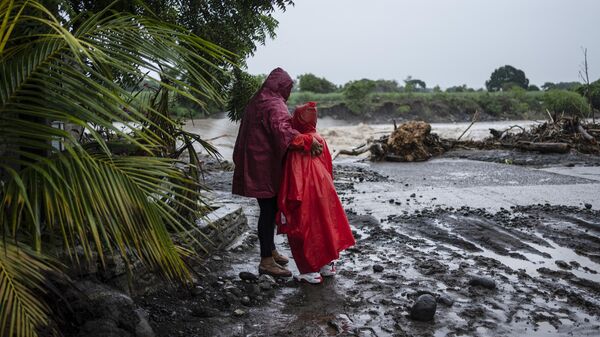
(505, 250)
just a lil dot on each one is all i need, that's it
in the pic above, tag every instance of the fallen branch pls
(550, 115)
(585, 134)
(354, 152)
(475, 118)
(543, 147)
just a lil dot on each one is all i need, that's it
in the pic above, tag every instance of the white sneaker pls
(328, 270)
(312, 278)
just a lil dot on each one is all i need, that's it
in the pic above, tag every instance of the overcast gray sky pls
(443, 42)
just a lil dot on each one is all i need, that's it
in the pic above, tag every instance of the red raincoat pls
(263, 139)
(310, 211)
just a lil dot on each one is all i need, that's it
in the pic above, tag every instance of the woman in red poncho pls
(310, 211)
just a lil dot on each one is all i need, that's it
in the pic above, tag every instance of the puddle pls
(565, 254)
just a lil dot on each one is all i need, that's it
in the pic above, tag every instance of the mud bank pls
(415, 238)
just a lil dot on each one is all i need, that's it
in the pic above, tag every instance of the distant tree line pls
(561, 96)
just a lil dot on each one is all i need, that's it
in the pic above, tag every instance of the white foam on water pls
(339, 134)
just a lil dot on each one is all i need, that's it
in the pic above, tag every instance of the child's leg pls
(296, 245)
(328, 270)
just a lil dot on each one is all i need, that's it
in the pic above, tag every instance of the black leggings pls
(266, 226)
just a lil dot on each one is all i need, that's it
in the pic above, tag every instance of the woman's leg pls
(266, 237)
(266, 226)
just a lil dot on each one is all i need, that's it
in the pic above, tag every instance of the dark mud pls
(529, 158)
(543, 261)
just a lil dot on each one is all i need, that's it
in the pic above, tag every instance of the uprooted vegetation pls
(555, 136)
(414, 141)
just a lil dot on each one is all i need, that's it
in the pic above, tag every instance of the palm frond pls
(23, 278)
(86, 195)
(90, 200)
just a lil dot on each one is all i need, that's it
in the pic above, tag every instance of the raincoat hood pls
(305, 118)
(278, 82)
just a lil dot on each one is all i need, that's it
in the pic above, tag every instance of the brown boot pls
(270, 267)
(280, 259)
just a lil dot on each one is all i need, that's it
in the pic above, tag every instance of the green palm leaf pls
(85, 195)
(23, 277)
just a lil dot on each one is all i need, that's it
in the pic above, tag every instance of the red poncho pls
(310, 211)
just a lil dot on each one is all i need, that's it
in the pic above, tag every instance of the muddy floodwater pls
(340, 134)
(530, 232)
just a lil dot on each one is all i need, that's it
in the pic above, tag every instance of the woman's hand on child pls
(316, 148)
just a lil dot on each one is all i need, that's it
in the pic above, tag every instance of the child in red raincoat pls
(310, 211)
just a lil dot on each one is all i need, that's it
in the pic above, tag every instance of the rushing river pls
(339, 134)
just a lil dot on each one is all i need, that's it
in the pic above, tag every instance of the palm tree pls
(81, 196)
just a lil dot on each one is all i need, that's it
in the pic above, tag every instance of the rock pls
(265, 285)
(143, 329)
(239, 312)
(562, 264)
(247, 276)
(217, 258)
(413, 195)
(485, 282)
(424, 308)
(252, 289)
(204, 312)
(267, 278)
(102, 328)
(104, 302)
(588, 206)
(245, 300)
(231, 298)
(378, 268)
(266, 282)
(235, 291)
(197, 291)
(445, 300)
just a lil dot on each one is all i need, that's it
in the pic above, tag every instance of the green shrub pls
(403, 109)
(301, 97)
(357, 93)
(310, 82)
(243, 88)
(593, 93)
(569, 102)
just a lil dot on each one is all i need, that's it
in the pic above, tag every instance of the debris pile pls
(413, 141)
(554, 136)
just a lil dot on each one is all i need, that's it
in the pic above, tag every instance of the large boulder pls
(424, 308)
(109, 312)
